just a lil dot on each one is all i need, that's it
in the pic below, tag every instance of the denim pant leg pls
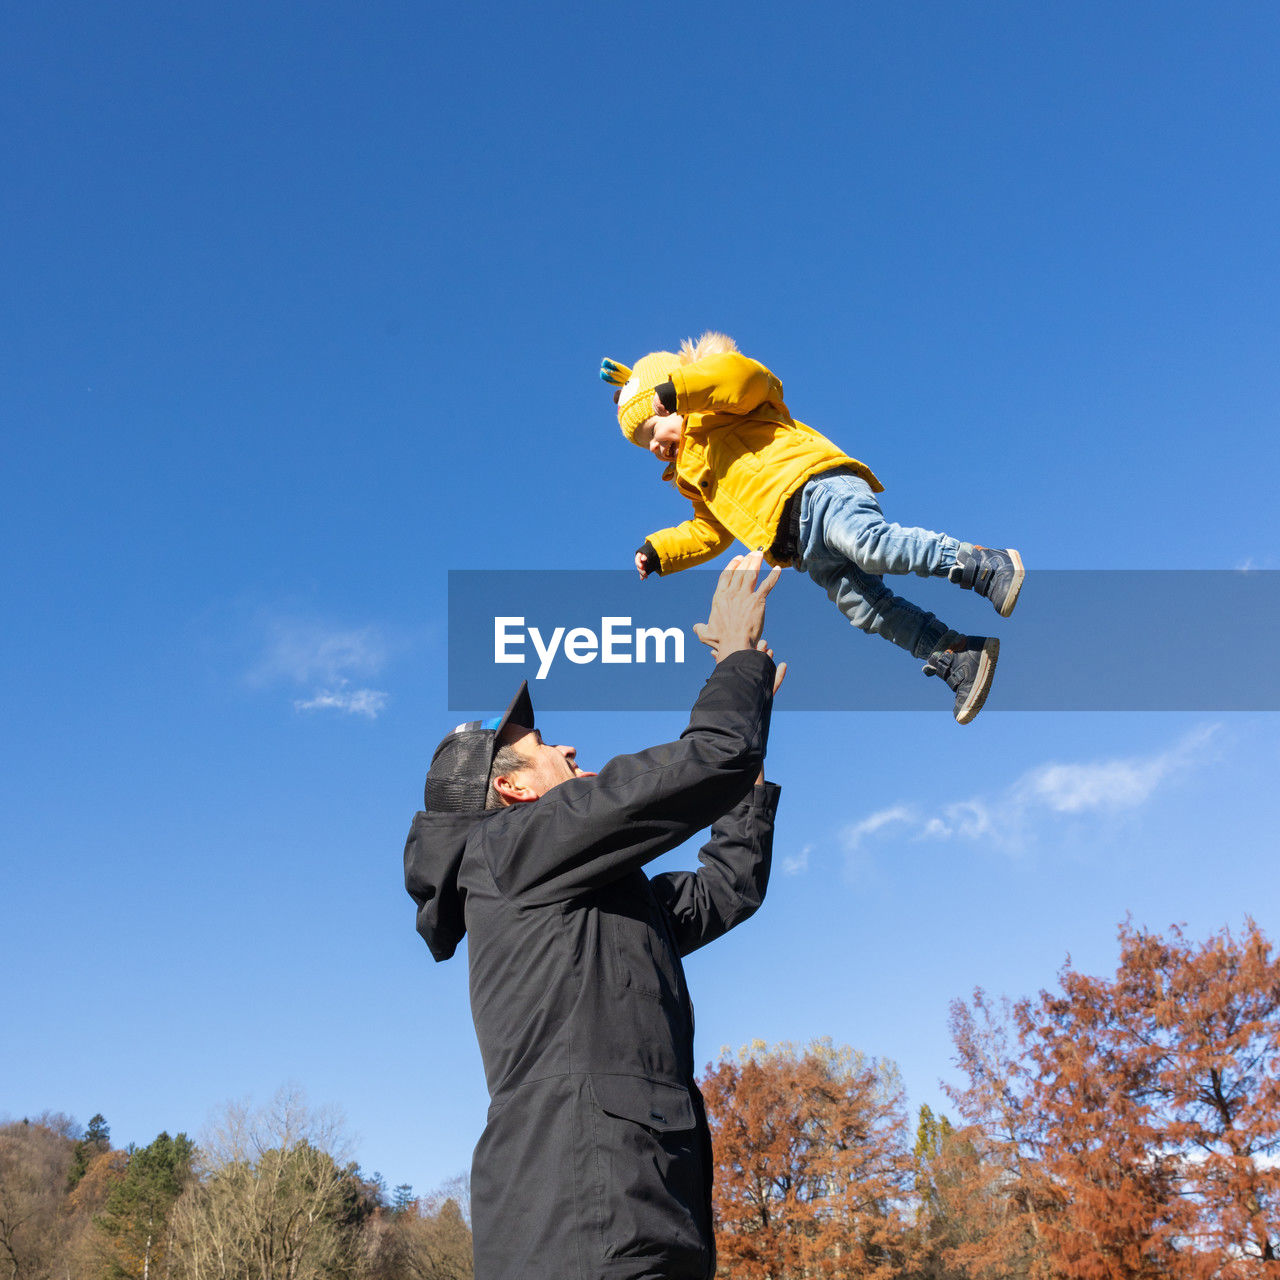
(858, 593)
(872, 607)
(850, 523)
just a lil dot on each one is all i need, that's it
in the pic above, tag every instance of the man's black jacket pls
(595, 1160)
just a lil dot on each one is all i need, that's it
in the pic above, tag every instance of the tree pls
(989, 1191)
(35, 1159)
(134, 1220)
(426, 1239)
(96, 1140)
(274, 1200)
(1134, 1131)
(1113, 1183)
(85, 1251)
(812, 1171)
(935, 1227)
(1160, 1092)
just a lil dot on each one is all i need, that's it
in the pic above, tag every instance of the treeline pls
(1119, 1129)
(267, 1196)
(1123, 1128)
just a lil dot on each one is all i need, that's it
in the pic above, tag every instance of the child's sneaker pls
(997, 575)
(967, 666)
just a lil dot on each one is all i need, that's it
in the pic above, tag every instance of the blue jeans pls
(846, 544)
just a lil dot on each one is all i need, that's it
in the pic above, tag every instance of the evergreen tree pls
(96, 1140)
(375, 1189)
(932, 1134)
(135, 1217)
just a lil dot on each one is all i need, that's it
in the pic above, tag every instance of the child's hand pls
(640, 569)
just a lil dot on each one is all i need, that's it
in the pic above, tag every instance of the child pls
(717, 419)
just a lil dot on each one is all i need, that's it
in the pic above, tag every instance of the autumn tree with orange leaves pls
(1135, 1131)
(1160, 1096)
(812, 1168)
(984, 1215)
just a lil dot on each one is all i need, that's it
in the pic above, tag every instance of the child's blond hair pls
(710, 344)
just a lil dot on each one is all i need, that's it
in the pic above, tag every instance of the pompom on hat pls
(637, 383)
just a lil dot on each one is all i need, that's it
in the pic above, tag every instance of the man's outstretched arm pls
(703, 905)
(589, 831)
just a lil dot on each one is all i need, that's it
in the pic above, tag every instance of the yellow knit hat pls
(635, 400)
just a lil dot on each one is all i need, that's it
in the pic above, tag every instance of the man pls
(596, 1158)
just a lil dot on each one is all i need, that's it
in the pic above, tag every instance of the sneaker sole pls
(1019, 573)
(981, 682)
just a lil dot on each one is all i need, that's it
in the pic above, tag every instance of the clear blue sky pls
(303, 307)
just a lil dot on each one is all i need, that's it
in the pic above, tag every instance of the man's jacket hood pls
(432, 856)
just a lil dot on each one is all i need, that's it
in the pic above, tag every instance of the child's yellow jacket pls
(741, 456)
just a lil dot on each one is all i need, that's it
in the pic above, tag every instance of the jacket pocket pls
(652, 1193)
(642, 961)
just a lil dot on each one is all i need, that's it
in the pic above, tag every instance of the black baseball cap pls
(458, 779)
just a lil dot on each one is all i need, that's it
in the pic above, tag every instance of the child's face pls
(661, 435)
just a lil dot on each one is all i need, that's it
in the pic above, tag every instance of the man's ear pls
(511, 791)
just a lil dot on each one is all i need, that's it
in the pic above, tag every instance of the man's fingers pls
(737, 608)
(726, 574)
(747, 569)
(780, 674)
(739, 575)
(770, 582)
(750, 567)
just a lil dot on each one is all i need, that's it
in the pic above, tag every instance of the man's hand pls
(780, 671)
(660, 410)
(736, 618)
(641, 569)
(779, 674)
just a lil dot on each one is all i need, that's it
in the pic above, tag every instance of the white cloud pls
(853, 835)
(798, 862)
(1111, 785)
(304, 651)
(328, 659)
(1007, 818)
(356, 702)
(971, 819)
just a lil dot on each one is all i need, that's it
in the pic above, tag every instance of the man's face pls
(548, 764)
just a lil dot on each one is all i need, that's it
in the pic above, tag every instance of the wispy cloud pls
(333, 661)
(302, 651)
(854, 835)
(356, 702)
(1008, 818)
(797, 862)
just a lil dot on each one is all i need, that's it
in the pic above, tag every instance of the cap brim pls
(519, 712)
